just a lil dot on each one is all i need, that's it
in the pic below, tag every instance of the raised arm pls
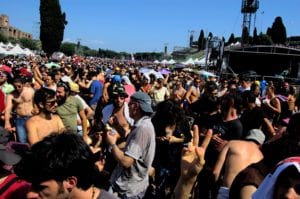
(192, 162)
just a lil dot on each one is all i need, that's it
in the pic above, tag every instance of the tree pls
(28, 43)
(3, 38)
(68, 48)
(201, 41)
(278, 33)
(269, 31)
(245, 36)
(264, 39)
(231, 39)
(255, 36)
(53, 23)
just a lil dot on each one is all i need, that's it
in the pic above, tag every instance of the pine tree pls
(201, 41)
(255, 36)
(245, 36)
(278, 33)
(231, 39)
(53, 23)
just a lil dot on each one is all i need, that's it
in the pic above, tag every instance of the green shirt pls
(7, 88)
(68, 113)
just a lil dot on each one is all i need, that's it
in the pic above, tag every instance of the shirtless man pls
(21, 102)
(45, 122)
(178, 92)
(117, 113)
(236, 156)
(193, 92)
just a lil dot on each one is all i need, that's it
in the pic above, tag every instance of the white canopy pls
(190, 61)
(200, 62)
(9, 45)
(28, 52)
(171, 61)
(2, 50)
(164, 61)
(17, 50)
(156, 62)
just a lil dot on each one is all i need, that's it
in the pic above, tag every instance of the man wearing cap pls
(130, 177)
(116, 114)
(5, 72)
(236, 156)
(10, 185)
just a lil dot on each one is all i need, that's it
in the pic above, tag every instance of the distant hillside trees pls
(52, 27)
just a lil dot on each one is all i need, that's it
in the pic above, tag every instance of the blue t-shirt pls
(96, 89)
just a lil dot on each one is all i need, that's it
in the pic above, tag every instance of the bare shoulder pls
(33, 119)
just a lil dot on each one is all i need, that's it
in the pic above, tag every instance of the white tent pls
(2, 50)
(164, 61)
(171, 61)
(17, 50)
(190, 61)
(28, 52)
(9, 46)
(156, 62)
(3, 45)
(200, 62)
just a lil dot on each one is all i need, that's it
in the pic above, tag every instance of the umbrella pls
(165, 71)
(206, 73)
(52, 65)
(179, 66)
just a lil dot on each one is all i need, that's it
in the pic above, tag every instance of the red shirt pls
(18, 189)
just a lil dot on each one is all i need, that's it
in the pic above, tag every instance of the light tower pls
(249, 7)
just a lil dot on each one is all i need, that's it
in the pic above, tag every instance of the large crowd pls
(85, 127)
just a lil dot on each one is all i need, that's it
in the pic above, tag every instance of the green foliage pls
(201, 41)
(255, 36)
(230, 39)
(278, 31)
(3, 38)
(269, 31)
(53, 23)
(68, 48)
(28, 43)
(245, 36)
(264, 39)
(146, 56)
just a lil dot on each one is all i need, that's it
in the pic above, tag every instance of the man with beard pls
(116, 114)
(68, 107)
(19, 101)
(130, 177)
(62, 166)
(45, 122)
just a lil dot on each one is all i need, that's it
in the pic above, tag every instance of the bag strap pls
(8, 184)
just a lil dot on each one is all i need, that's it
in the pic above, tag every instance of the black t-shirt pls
(252, 119)
(233, 130)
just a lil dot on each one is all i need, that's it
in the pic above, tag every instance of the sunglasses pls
(51, 103)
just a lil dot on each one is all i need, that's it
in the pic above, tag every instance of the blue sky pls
(147, 25)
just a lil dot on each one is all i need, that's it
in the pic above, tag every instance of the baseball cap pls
(119, 90)
(144, 100)
(74, 87)
(256, 135)
(7, 157)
